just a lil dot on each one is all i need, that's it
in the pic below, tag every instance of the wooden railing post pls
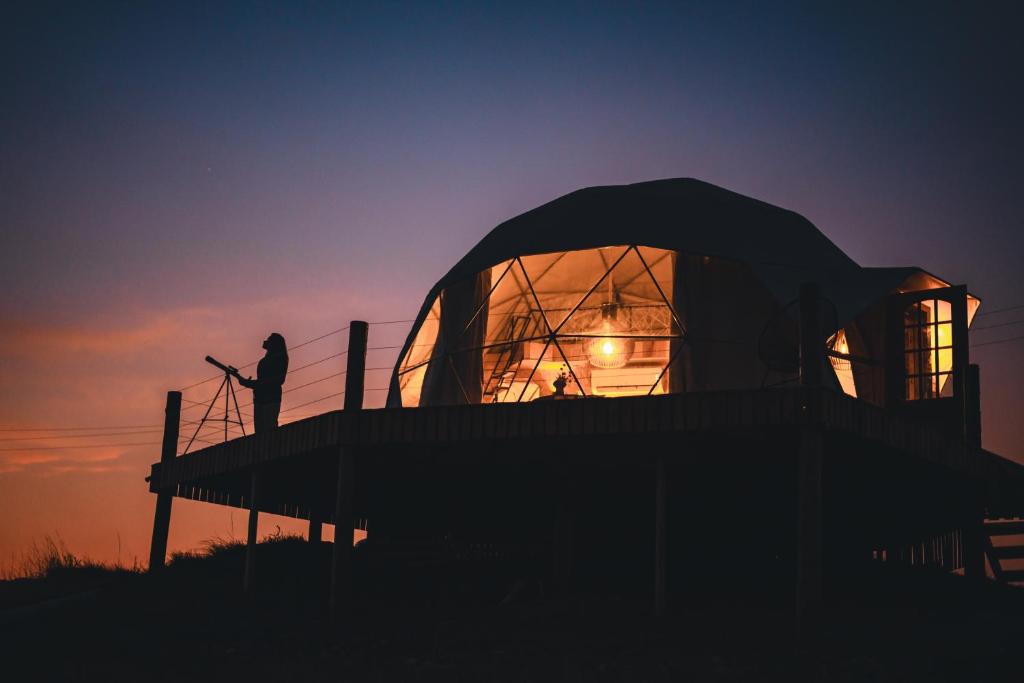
(972, 406)
(341, 564)
(355, 369)
(164, 497)
(809, 468)
(355, 366)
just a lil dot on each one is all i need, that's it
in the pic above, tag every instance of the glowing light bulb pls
(610, 350)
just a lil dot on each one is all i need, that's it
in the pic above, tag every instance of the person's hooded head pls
(275, 346)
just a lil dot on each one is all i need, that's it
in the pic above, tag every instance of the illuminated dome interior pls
(664, 286)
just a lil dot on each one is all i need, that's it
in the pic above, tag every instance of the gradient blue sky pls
(179, 180)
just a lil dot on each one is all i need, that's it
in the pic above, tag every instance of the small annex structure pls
(638, 372)
(662, 287)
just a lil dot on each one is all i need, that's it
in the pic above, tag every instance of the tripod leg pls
(227, 406)
(234, 397)
(207, 414)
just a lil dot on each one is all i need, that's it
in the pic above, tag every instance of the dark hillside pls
(430, 622)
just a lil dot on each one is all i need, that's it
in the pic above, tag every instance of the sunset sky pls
(181, 181)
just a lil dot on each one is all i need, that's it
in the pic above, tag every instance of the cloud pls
(55, 470)
(116, 371)
(103, 459)
(42, 340)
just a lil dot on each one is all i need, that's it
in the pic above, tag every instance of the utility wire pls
(79, 436)
(73, 429)
(990, 327)
(999, 310)
(997, 341)
(99, 445)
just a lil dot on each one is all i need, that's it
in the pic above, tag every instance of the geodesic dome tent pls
(663, 286)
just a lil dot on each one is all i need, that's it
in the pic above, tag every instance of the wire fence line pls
(220, 419)
(215, 421)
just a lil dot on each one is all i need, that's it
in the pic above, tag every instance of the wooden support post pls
(251, 540)
(974, 536)
(562, 532)
(341, 560)
(168, 451)
(975, 541)
(316, 524)
(809, 532)
(809, 469)
(660, 538)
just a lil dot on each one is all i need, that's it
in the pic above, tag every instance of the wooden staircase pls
(998, 554)
(507, 363)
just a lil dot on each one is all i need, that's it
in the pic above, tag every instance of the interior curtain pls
(723, 308)
(865, 339)
(688, 370)
(455, 373)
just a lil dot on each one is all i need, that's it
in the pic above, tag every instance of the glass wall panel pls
(414, 366)
(577, 323)
(842, 366)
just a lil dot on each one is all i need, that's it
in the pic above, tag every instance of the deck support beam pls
(250, 541)
(562, 535)
(168, 451)
(809, 531)
(660, 538)
(974, 538)
(974, 532)
(341, 560)
(316, 528)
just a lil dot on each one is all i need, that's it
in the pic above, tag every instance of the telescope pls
(230, 369)
(228, 390)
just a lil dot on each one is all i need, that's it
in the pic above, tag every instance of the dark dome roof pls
(781, 247)
(680, 214)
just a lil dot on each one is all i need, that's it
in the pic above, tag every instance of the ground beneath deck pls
(193, 623)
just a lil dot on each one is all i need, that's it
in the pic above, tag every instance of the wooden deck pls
(297, 450)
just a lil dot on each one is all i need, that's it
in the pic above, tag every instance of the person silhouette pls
(266, 388)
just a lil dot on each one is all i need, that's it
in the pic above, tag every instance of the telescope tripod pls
(226, 387)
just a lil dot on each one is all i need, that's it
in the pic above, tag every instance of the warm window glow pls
(413, 370)
(842, 366)
(928, 349)
(612, 349)
(600, 315)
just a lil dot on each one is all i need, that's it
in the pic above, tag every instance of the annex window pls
(928, 349)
